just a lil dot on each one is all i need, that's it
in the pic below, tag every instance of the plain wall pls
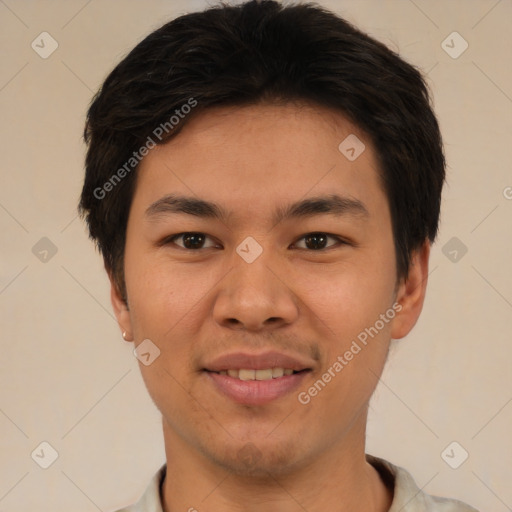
(68, 378)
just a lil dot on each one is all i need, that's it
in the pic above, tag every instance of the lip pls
(255, 392)
(260, 361)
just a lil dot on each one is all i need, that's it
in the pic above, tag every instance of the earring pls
(124, 336)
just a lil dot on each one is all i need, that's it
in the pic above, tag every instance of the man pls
(264, 184)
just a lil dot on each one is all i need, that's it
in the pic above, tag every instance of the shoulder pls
(151, 500)
(408, 497)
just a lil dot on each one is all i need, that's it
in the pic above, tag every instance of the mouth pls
(256, 387)
(247, 374)
(256, 378)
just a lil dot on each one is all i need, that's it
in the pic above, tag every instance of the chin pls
(253, 459)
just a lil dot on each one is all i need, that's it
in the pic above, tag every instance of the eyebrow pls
(321, 205)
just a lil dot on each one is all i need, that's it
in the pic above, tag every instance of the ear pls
(411, 293)
(120, 309)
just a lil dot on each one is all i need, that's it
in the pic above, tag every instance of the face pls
(254, 244)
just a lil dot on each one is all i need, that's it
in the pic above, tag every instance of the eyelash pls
(340, 241)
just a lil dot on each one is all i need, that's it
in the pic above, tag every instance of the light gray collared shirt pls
(408, 497)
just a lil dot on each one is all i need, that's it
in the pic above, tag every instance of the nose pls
(255, 297)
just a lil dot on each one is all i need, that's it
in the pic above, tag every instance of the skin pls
(196, 304)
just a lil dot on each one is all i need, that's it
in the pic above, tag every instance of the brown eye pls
(318, 241)
(193, 241)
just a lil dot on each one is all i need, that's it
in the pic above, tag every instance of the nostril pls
(235, 323)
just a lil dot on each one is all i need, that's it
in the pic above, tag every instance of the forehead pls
(246, 157)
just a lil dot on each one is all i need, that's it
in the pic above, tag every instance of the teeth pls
(277, 372)
(266, 374)
(247, 374)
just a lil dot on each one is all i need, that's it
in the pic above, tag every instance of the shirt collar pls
(407, 496)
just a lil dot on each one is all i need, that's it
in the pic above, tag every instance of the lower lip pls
(256, 392)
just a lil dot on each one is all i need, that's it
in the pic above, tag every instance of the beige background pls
(66, 376)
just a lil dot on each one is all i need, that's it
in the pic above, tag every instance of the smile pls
(256, 387)
(265, 374)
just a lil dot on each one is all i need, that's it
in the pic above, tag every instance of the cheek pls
(164, 299)
(356, 315)
(348, 299)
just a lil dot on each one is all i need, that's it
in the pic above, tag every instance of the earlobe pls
(126, 337)
(411, 293)
(120, 310)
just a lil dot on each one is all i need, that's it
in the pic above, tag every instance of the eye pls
(318, 241)
(190, 240)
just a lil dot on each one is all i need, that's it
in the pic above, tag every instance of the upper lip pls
(259, 361)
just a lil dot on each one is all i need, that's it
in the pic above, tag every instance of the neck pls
(339, 479)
